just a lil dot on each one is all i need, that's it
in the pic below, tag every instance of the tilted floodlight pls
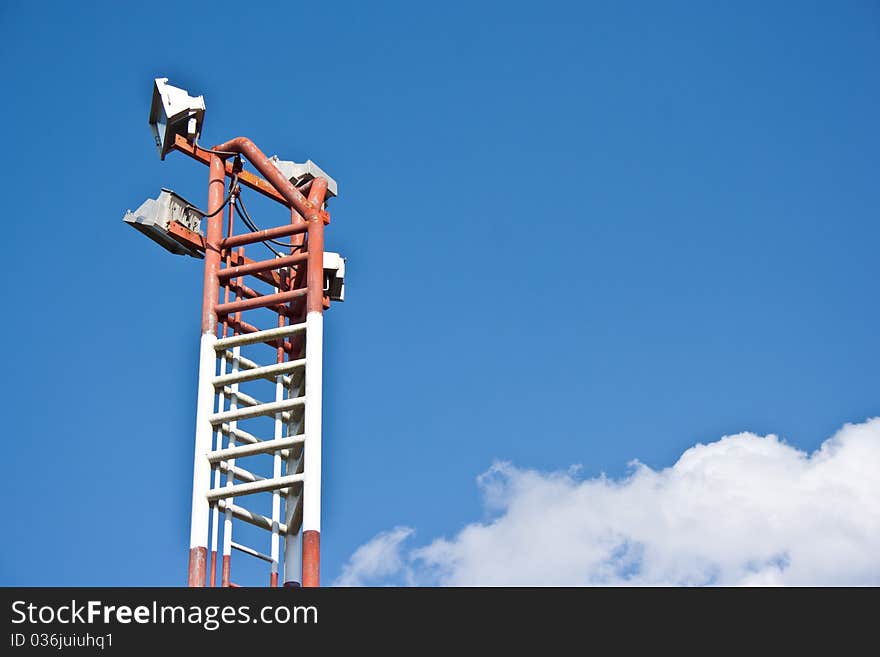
(155, 215)
(334, 276)
(174, 112)
(300, 174)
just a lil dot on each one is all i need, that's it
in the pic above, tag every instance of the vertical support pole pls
(226, 562)
(221, 400)
(293, 539)
(218, 444)
(293, 553)
(198, 541)
(314, 381)
(276, 466)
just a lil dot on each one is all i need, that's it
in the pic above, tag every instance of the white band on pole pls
(204, 433)
(312, 422)
(293, 537)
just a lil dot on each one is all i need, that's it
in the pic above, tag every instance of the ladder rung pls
(255, 448)
(239, 473)
(243, 436)
(254, 487)
(270, 408)
(251, 551)
(249, 516)
(241, 397)
(261, 301)
(259, 336)
(240, 434)
(255, 268)
(268, 233)
(244, 399)
(245, 475)
(267, 372)
(248, 364)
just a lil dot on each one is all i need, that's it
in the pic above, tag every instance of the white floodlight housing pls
(334, 276)
(174, 112)
(154, 216)
(300, 174)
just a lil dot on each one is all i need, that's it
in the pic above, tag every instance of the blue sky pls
(577, 233)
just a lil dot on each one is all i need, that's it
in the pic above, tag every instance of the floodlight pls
(174, 112)
(334, 276)
(155, 215)
(300, 174)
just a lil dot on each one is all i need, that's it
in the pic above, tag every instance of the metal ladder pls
(260, 397)
(251, 443)
(233, 477)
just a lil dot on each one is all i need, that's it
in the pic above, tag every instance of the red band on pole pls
(311, 559)
(196, 571)
(315, 268)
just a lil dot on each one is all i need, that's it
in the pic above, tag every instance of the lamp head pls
(155, 215)
(174, 112)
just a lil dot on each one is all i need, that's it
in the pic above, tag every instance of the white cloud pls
(376, 559)
(746, 510)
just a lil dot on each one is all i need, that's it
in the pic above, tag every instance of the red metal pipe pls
(259, 236)
(297, 306)
(311, 559)
(196, 567)
(213, 238)
(315, 274)
(258, 266)
(297, 279)
(225, 571)
(197, 242)
(244, 177)
(267, 276)
(290, 193)
(259, 302)
(246, 292)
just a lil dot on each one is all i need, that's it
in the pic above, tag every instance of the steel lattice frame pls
(296, 340)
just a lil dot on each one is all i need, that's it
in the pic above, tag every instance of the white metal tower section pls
(236, 461)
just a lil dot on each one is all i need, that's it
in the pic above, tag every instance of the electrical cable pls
(250, 223)
(253, 228)
(242, 212)
(208, 150)
(223, 205)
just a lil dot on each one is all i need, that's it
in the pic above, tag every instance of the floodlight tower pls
(276, 303)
